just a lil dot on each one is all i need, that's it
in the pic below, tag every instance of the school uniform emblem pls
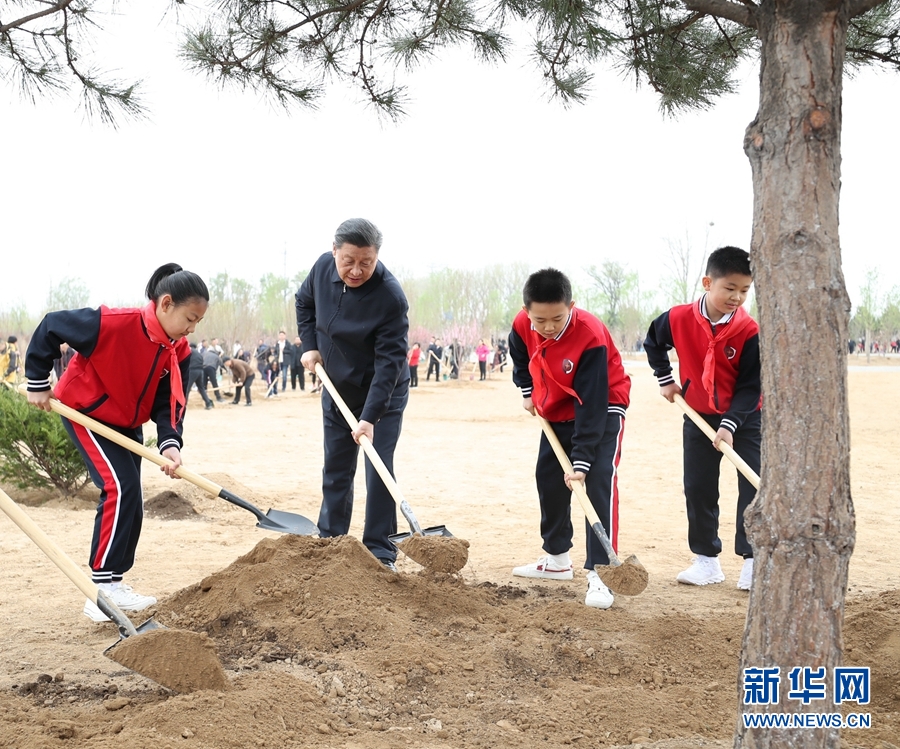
(730, 352)
(568, 365)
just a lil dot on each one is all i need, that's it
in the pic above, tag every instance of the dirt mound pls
(326, 648)
(485, 662)
(169, 505)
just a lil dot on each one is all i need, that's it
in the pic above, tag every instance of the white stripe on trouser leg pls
(608, 522)
(115, 476)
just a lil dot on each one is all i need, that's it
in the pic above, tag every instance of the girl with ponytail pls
(130, 366)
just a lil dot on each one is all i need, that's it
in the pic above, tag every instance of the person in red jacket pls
(131, 365)
(570, 372)
(718, 358)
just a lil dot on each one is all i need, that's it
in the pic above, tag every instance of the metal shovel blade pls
(147, 626)
(435, 530)
(287, 522)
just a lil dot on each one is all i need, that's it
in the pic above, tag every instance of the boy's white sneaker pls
(544, 568)
(704, 571)
(746, 578)
(124, 597)
(598, 595)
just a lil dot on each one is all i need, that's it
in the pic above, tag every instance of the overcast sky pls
(484, 169)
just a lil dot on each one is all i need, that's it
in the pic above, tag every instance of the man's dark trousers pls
(341, 454)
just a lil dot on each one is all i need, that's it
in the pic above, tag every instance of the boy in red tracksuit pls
(718, 357)
(570, 372)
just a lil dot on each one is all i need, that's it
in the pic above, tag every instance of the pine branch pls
(49, 11)
(871, 54)
(742, 14)
(858, 7)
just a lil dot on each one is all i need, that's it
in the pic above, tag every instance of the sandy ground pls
(324, 649)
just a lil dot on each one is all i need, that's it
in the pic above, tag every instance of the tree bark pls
(801, 525)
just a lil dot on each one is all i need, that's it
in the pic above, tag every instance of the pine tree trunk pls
(802, 524)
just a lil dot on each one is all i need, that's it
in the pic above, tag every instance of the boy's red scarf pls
(735, 325)
(538, 356)
(159, 336)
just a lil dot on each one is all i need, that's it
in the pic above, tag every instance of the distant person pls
(262, 357)
(272, 376)
(435, 354)
(60, 365)
(456, 353)
(196, 377)
(570, 372)
(283, 357)
(297, 370)
(212, 361)
(10, 373)
(718, 364)
(131, 366)
(242, 375)
(482, 350)
(415, 353)
(352, 319)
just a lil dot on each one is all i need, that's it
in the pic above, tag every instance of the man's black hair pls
(727, 260)
(547, 286)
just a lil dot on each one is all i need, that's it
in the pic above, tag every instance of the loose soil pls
(324, 648)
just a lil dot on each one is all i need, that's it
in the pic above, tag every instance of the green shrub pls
(35, 450)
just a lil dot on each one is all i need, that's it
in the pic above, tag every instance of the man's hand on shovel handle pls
(364, 428)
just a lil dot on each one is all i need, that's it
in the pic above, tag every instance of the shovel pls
(273, 520)
(197, 666)
(629, 577)
(446, 556)
(726, 449)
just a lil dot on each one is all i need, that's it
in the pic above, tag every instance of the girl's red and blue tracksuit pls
(122, 375)
(577, 382)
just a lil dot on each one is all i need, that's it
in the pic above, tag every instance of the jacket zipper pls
(140, 400)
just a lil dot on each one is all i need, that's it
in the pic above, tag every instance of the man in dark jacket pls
(211, 363)
(196, 376)
(297, 371)
(352, 319)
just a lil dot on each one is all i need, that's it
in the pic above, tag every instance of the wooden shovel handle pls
(65, 564)
(129, 444)
(370, 451)
(56, 555)
(726, 449)
(580, 492)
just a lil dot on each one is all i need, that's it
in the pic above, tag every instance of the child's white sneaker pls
(704, 571)
(746, 578)
(123, 596)
(598, 595)
(544, 568)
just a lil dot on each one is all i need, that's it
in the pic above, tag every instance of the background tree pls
(70, 293)
(890, 315)
(233, 313)
(867, 319)
(687, 264)
(614, 283)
